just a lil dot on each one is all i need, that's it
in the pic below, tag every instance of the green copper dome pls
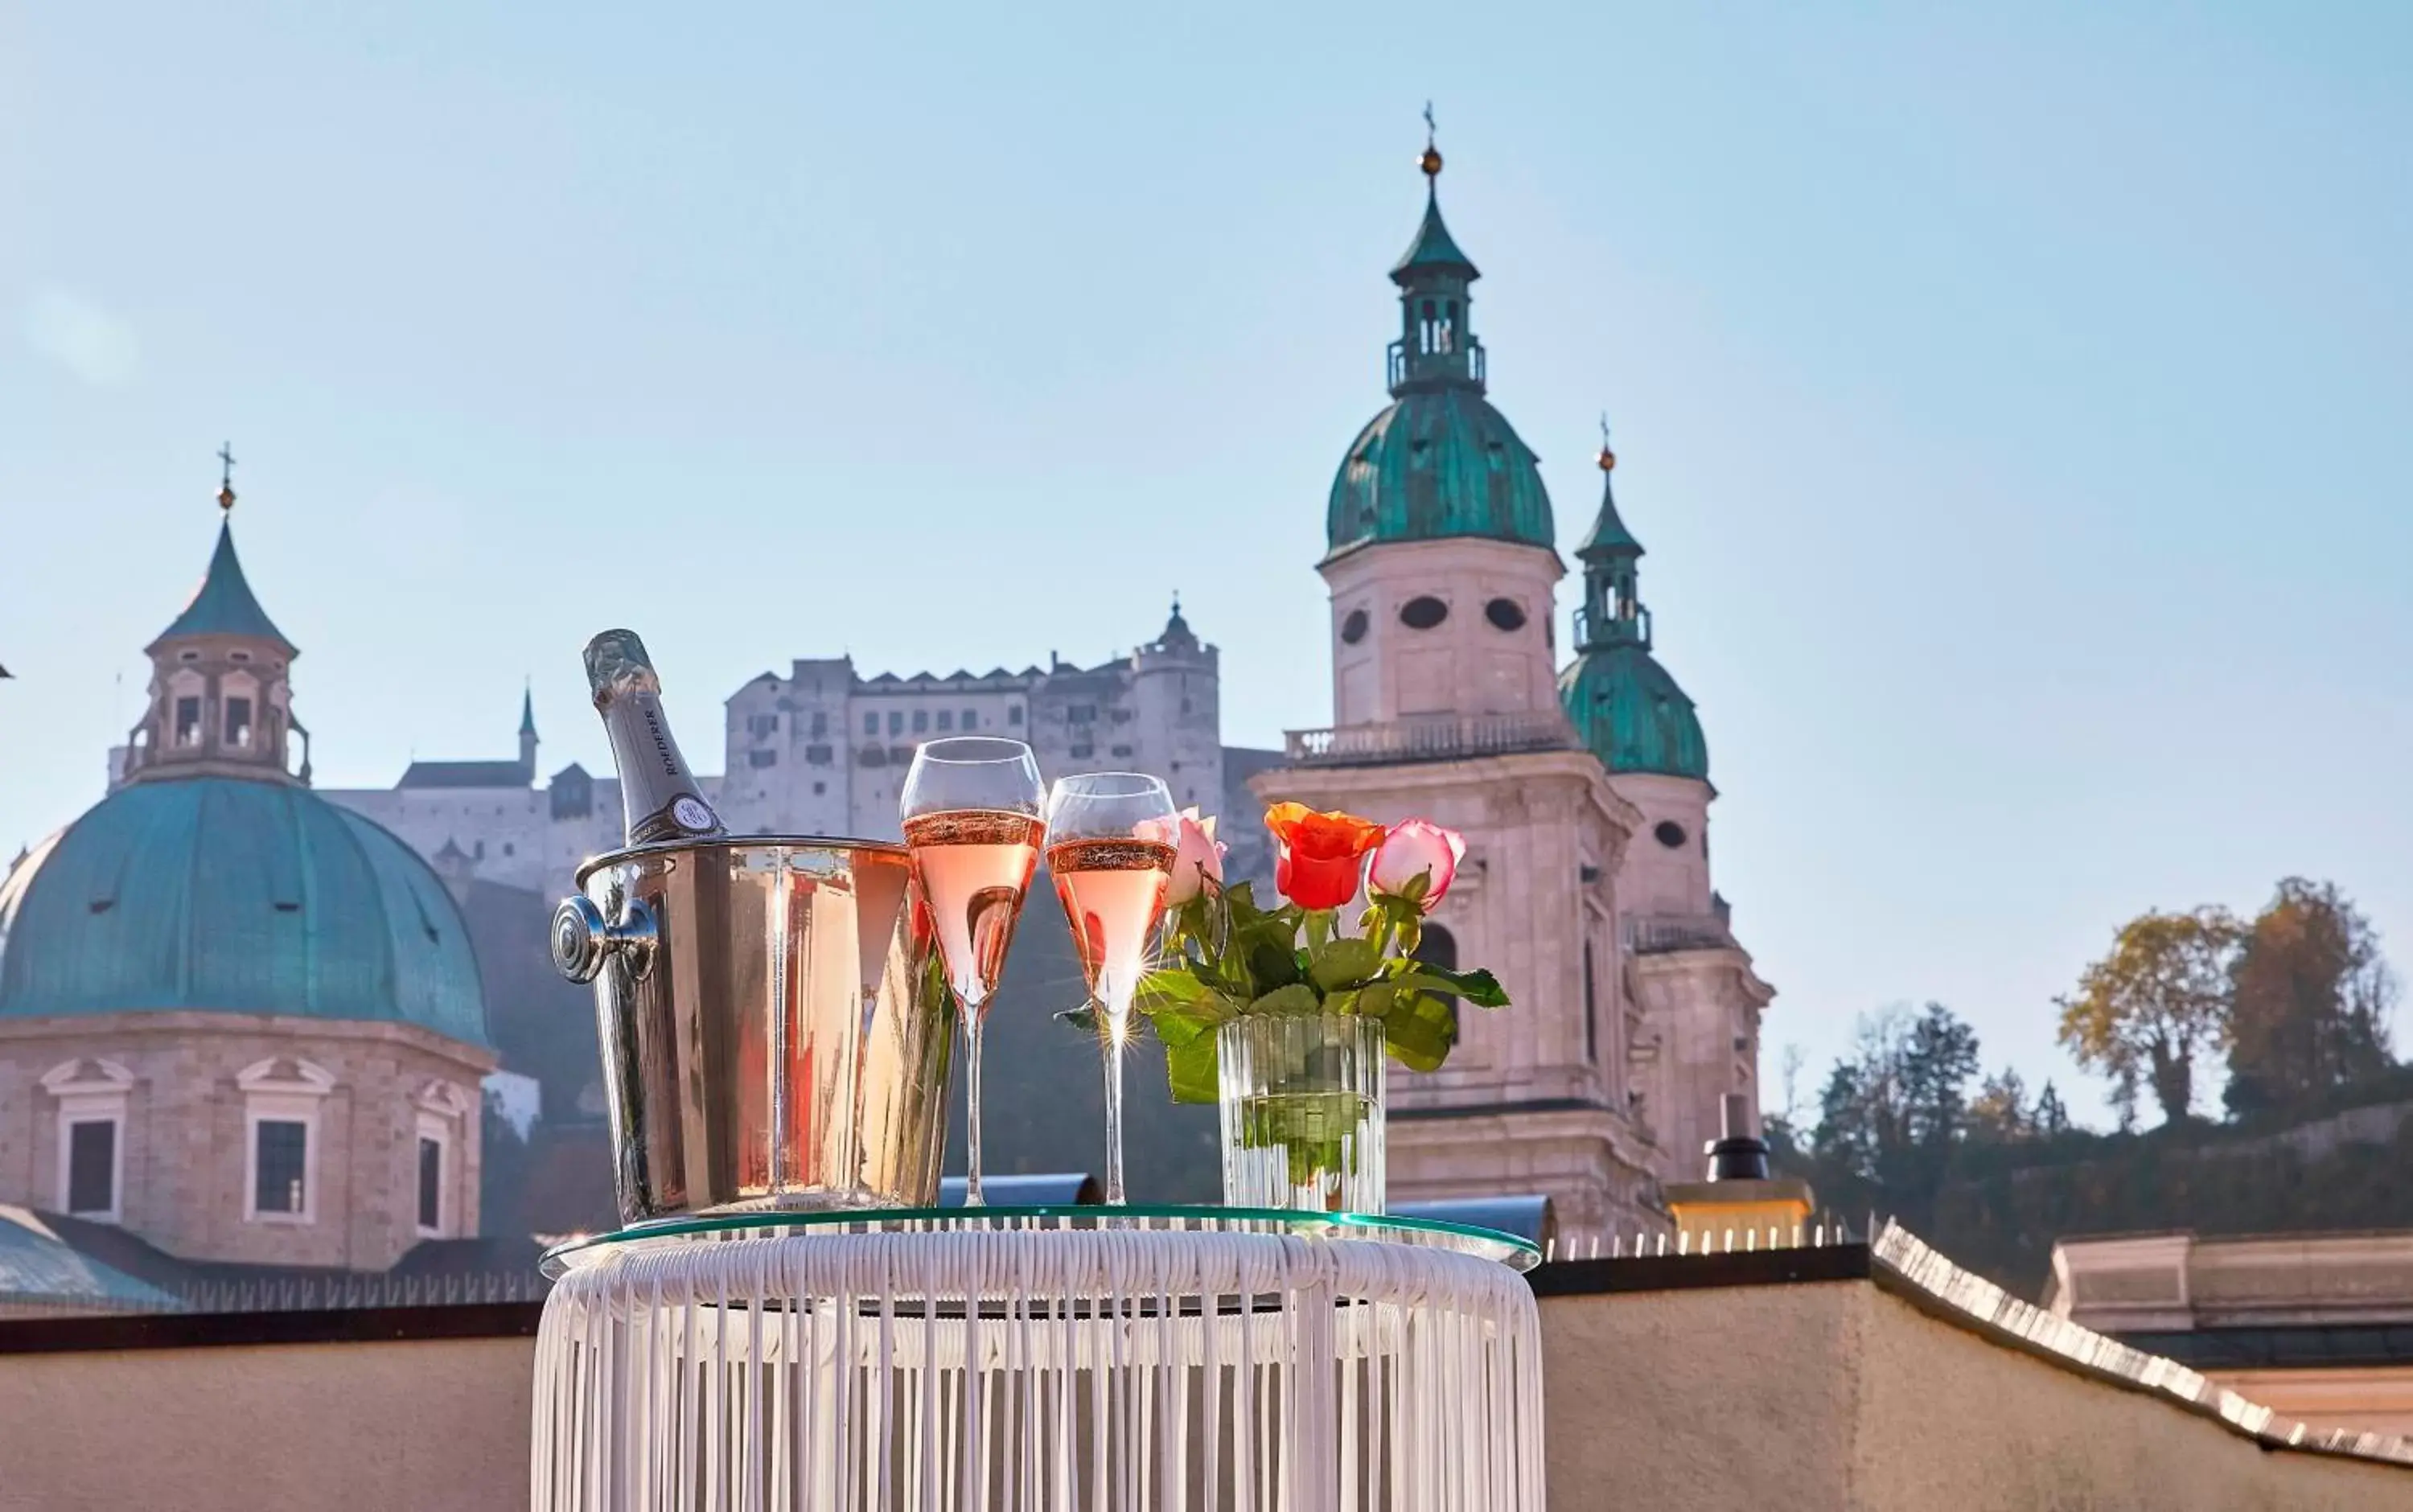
(232, 895)
(1629, 713)
(1437, 463)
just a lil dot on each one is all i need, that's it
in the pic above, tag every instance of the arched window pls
(1438, 948)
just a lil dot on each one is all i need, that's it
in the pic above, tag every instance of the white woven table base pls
(1039, 1371)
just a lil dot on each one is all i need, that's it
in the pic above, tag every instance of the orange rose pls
(1319, 857)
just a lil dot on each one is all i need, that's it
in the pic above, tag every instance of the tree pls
(1999, 1113)
(1892, 1111)
(2312, 996)
(1936, 1065)
(2052, 1117)
(2144, 1012)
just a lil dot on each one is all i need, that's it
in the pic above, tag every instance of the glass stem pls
(973, 1017)
(1114, 1049)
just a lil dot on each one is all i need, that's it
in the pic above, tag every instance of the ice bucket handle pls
(582, 939)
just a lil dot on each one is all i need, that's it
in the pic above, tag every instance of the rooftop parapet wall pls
(1873, 1377)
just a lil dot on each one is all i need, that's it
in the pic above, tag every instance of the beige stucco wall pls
(1839, 1396)
(1808, 1398)
(359, 1428)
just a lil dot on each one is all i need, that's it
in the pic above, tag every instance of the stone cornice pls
(87, 1029)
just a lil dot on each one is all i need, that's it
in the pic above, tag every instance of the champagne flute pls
(1111, 840)
(971, 812)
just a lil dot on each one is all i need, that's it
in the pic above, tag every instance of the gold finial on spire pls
(1430, 161)
(225, 475)
(1607, 458)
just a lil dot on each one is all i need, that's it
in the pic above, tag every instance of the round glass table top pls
(1427, 1233)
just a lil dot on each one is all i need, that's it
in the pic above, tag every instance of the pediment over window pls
(87, 1075)
(286, 1073)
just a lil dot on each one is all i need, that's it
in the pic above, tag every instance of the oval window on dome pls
(1352, 628)
(1423, 612)
(1670, 834)
(1505, 614)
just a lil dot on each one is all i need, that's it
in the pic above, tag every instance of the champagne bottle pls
(658, 793)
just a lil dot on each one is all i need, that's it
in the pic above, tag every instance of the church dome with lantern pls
(212, 879)
(1439, 462)
(248, 1024)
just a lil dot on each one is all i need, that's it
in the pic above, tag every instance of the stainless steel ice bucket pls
(773, 1036)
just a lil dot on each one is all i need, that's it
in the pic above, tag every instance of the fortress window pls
(895, 721)
(871, 724)
(1352, 628)
(820, 725)
(1119, 751)
(1669, 834)
(1423, 612)
(189, 721)
(972, 718)
(759, 759)
(946, 719)
(921, 720)
(1505, 614)
(1013, 715)
(238, 722)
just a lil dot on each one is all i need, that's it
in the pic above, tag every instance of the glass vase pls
(1302, 1112)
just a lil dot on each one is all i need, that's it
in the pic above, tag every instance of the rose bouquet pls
(1228, 958)
(1283, 1013)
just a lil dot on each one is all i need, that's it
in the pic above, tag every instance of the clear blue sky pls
(2015, 407)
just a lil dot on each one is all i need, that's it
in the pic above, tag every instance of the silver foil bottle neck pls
(616, 664)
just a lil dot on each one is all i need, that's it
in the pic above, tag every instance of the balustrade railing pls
(1662, 934)
(1442, 739)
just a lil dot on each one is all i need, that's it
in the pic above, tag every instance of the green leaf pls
(1192, 1068)
(1296, 1000)
(1344, 961)
(1421, 1030)
(1319, 928)
(1172, 988)
(1480, 988)
(1084, 1019)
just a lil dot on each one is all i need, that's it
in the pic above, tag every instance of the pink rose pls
(1419, 848)
(1199, 856)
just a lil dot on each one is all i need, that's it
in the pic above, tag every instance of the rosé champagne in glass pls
(1110, 849)
(970, 810)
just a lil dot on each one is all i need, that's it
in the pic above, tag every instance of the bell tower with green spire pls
(1621, 702)
(1441, 555)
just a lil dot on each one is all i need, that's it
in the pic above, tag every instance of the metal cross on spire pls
(225, 475)
(1429, 128)
(1607, 458)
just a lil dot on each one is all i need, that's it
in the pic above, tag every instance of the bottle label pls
(692, 814)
